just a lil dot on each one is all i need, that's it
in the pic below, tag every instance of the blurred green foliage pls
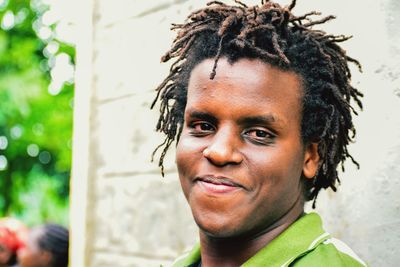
(35, 121)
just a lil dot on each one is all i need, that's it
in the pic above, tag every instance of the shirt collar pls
(300, 237)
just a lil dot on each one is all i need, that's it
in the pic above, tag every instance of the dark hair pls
(273, 34)
(54, 238)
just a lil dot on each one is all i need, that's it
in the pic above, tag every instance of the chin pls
(218, 233)
(217, 227)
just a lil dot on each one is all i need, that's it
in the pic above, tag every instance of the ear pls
(311, 161)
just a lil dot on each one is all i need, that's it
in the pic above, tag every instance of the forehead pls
(33, 238)
(248, 84)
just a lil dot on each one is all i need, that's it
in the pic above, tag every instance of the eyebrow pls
(201, 115)
(268, 119)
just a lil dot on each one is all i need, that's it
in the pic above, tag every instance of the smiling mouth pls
(217, 184)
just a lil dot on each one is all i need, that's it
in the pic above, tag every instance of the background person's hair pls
(54, 238)
(276, 36)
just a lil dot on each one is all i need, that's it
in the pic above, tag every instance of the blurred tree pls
(35, 114)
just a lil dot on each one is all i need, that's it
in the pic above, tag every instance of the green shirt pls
(302, 244)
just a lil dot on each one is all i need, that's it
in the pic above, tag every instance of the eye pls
(201, 128)
(262, 136)
(260, 133)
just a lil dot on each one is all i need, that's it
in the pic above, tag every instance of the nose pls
(223, 149)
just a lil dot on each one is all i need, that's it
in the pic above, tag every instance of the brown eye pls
(260, 133)
(203, 126)
(259, 136)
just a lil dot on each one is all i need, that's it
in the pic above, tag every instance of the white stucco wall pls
(124, 214)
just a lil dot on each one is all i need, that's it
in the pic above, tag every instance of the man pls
(259, 103)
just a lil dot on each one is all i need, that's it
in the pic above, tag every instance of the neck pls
(234, 251)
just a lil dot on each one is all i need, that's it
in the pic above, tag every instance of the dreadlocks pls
(276, 36)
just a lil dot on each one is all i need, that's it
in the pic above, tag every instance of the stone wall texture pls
(123, 213)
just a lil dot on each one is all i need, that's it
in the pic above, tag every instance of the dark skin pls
(32, 255)
(240, 158)
(5, 255)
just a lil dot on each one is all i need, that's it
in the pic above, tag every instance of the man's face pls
(240, 157)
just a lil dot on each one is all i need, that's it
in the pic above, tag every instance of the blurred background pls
(36, 96)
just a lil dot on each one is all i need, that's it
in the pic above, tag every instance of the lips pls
(218, 184)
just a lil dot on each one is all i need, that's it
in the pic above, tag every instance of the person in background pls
(12, 237)
(46, 246)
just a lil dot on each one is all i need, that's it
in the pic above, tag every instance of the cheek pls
(186, 158)
(181, 158)
(29, 257)
(276, 165)
(265, 161)
(188, 153)
(24, 258)
(4, 255)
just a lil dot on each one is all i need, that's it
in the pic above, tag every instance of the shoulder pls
(332, 252)
(305, 244)
(188, 259)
